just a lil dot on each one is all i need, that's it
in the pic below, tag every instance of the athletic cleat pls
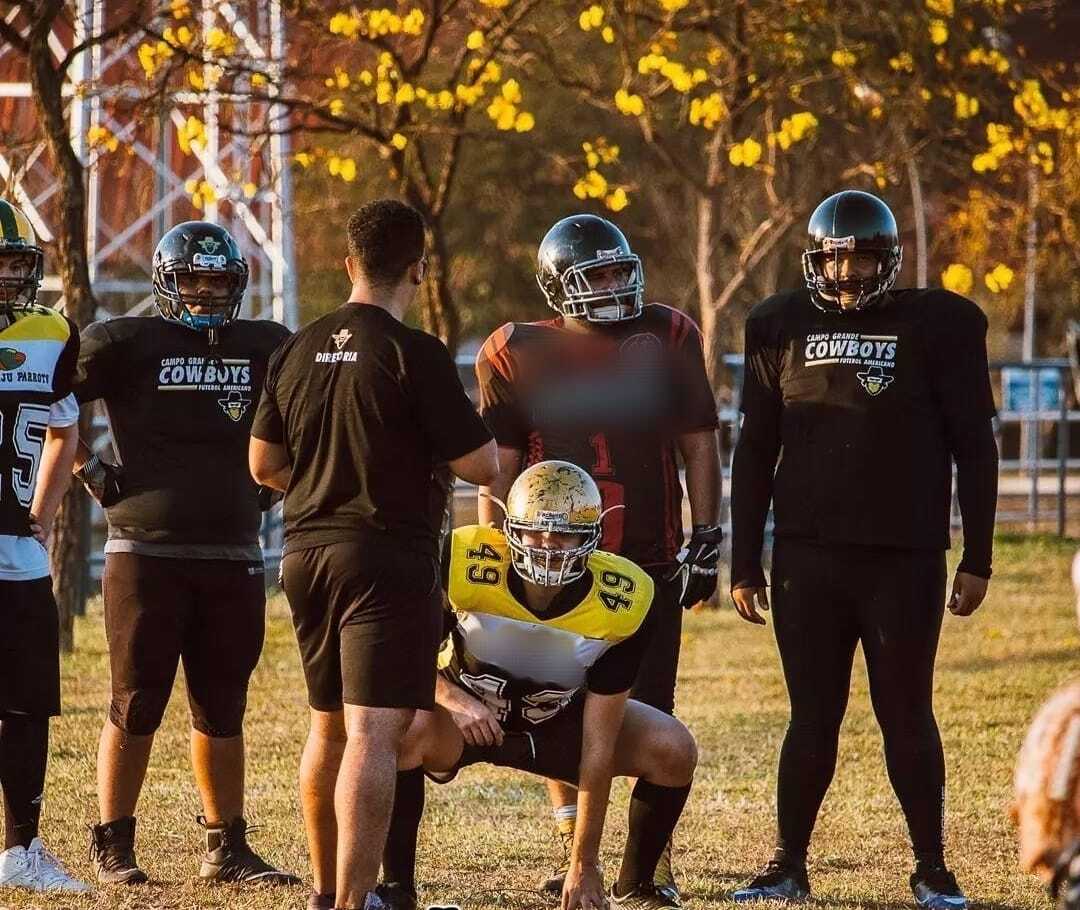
(112, 850)
(935, 888)
(664, 877)
(34, 868)
(776, 882)
(230, 859)
(553, 884)
(644, 897)
(395, 896)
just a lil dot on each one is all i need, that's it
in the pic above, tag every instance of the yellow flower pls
(413, 23)
(503, 112)
(304, 159)
(843, 59)
(398, 141)
(608, 34)
(445, 100)
(617, 201)
(475, 41)
(191, 135)
(629, 104)
(939, 31)
(346, 24)
(673, 6)
(496, 4)
(405, 94)
(708, 111)
(902, 62)
(337, 107)
(984, 162)
(180, 9)
(249, 190)
(384, 92)
(591, 18)
(966, 106)
(195, 80)
(957, 278)
(941, 7)
(524, 122)
(257, 80)
(746, 153)
(999, 279)
(511, 91)
(592, 186)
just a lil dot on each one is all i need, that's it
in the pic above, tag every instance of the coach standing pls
(359, 414)
(872, 394)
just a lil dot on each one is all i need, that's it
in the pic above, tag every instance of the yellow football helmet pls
(552, 496)
(17, 239)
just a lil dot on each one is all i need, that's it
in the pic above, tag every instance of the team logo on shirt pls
(341, 338)
(234, 406)
(642, 344)
(875, 380)
(10, 359)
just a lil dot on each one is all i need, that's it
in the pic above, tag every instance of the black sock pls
(24, 753)
(399, 856)
(654, 812)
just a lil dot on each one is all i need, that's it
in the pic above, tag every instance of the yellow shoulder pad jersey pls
(528, 667)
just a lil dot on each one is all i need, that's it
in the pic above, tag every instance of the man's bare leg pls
(364, 796)
(121, 769)
(319, 768)
(218, 764)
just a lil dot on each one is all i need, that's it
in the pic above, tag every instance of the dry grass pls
(489, 834)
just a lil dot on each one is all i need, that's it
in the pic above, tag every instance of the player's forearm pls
(701, 455)
(54, 472)
(976, 456)
(447, 693)
(487, 510)
(594, 791)
(752, 469)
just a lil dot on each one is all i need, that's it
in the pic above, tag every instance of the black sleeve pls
(754, 461)
(697, 411)
(98, 354)
(499, 404)
(451, 424)
(268, 424)
(617, 668)
(444, 560)
(67, 364)
(962, 385)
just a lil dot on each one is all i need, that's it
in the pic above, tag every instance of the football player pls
(618, 387)
(872, 394)
(183, 573)
(547, 636)
(38, 434)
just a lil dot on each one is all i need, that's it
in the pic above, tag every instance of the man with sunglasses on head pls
(618, 387)
(183, 573)
(871, 394)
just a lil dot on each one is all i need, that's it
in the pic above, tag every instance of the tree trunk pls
(440, 314)
(70, 546)
(703, 272)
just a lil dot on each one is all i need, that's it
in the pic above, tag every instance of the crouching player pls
(546, 641)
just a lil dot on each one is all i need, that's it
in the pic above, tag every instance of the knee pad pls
(139, 711)
(218, 711)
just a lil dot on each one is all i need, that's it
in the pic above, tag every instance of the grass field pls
(487, 836)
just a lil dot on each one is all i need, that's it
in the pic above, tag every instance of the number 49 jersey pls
(38, 353)
(528, 667)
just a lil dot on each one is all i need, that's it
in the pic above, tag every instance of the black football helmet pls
(574, 249)
(17, 239)
(851, 221)
(199, 247)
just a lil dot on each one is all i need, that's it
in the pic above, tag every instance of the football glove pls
(102, 480)
(268, 498)
(695, 571)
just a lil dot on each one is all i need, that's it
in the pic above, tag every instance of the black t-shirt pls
(180, 411)
(612, 401)
(865, 411)
(369, 410)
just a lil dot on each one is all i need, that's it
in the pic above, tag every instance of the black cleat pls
(776, 882)
(112, 851)
(230, 859)
(396, 896)
(645, 897)
(935, 888)
(553, 883)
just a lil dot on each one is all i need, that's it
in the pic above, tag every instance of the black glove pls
(268, 498)
(102, 480)
(695, 573)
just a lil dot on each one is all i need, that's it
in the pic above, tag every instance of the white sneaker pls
(36, 869)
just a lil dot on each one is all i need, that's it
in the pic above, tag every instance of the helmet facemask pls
(20, 292)
(826, 292)
(176, 304)
(543, 566)
(572, 293)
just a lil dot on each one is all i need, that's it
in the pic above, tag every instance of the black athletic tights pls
(825, 600)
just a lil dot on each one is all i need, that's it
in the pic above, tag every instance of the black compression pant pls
(24, 753)
(825, 600)
(655, 683)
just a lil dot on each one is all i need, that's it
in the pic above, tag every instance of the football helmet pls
(17, 238)
(552, 496)
(571, 257)
(199, 248)
(851, 222)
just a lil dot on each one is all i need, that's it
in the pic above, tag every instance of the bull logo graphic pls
(10, 359)
(235, 406)
(875, 380)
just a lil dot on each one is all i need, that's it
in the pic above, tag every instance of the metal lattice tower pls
(138, 192)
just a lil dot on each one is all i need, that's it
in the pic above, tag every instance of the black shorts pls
(551, 749)
(368, 619)
(211, 613)
(29, 649)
